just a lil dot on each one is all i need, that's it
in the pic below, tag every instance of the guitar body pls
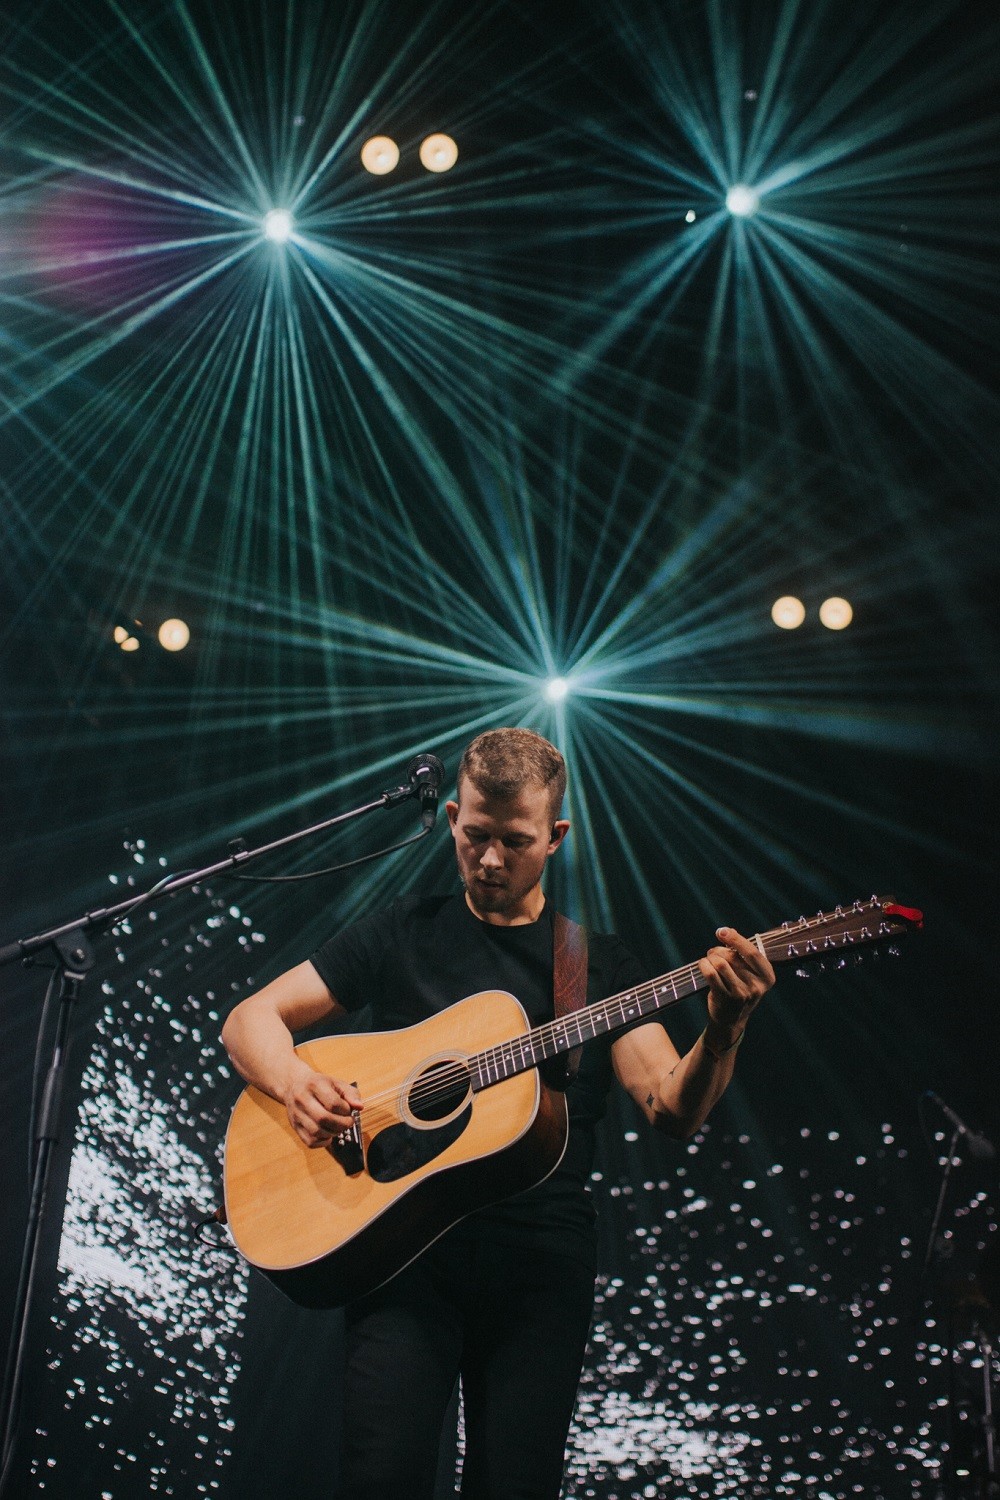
(327, 1225)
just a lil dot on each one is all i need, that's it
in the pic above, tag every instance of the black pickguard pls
(401, 1149)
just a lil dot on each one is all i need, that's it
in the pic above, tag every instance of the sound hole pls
(439, 1104)
(439, 1090)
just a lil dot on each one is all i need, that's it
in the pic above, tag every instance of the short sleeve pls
(613, 967)
(350, 964)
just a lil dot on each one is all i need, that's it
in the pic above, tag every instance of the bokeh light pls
(379, 155)
(439, 153)
(174, 635)
(836, 614)
(788, 612)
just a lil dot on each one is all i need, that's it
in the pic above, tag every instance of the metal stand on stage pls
(979, 1306)
(972, 1307)
(989, 1421)
(67, 947)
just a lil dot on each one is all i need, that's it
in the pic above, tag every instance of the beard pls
(505, 899)
(496, 899)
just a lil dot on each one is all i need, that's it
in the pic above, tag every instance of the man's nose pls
(491, 857)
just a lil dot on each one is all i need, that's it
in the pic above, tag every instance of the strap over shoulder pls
(569, 986)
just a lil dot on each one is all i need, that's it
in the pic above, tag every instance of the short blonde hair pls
(502, 762)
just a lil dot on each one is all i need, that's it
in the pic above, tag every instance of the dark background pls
(463, 433)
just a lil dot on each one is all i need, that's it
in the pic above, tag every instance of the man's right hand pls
(319, 1107)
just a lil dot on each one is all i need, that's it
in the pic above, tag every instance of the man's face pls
(501, 844)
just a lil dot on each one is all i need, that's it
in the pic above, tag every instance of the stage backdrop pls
(760, 1326)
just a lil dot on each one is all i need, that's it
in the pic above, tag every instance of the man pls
(505, 1296)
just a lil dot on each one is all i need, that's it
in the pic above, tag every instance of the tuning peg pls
(893, 951)
(803, 973)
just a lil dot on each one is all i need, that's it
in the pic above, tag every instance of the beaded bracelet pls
(725, 1050)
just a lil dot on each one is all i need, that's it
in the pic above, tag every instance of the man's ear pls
(451, 808)
(560, 829)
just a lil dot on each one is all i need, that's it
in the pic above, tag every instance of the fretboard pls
(606, 1016)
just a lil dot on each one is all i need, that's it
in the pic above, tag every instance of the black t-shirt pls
(421, 955)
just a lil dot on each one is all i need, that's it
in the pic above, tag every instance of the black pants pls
(514, 1322)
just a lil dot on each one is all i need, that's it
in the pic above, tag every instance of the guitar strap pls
(569, 989)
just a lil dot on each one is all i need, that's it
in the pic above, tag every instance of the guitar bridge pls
(348, 1147)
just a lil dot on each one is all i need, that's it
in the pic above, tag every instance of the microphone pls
(425, 774)
(980, 1146)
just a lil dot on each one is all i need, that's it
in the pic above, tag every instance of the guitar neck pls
(808, 938)
(601, 1019)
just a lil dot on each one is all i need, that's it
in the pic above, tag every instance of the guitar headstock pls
(846, 927)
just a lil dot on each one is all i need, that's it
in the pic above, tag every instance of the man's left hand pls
(738, 975)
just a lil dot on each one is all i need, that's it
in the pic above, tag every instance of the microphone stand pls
(990, 1485)
(936, 1220)
(921, 1294)
(68, 943)
(991, 1479)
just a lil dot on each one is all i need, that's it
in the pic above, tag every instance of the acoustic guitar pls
(455, 1115)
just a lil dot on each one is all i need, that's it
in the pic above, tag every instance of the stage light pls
(379, 155)
(173, 635)
(788, 612)
(690, 216)
(556, 689)
(438, 153)
(123, 637)
(742, 201)
(278, 225)
(836, 614)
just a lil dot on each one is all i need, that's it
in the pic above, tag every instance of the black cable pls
(330, 869)
(142, 900)
(217, 1220)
